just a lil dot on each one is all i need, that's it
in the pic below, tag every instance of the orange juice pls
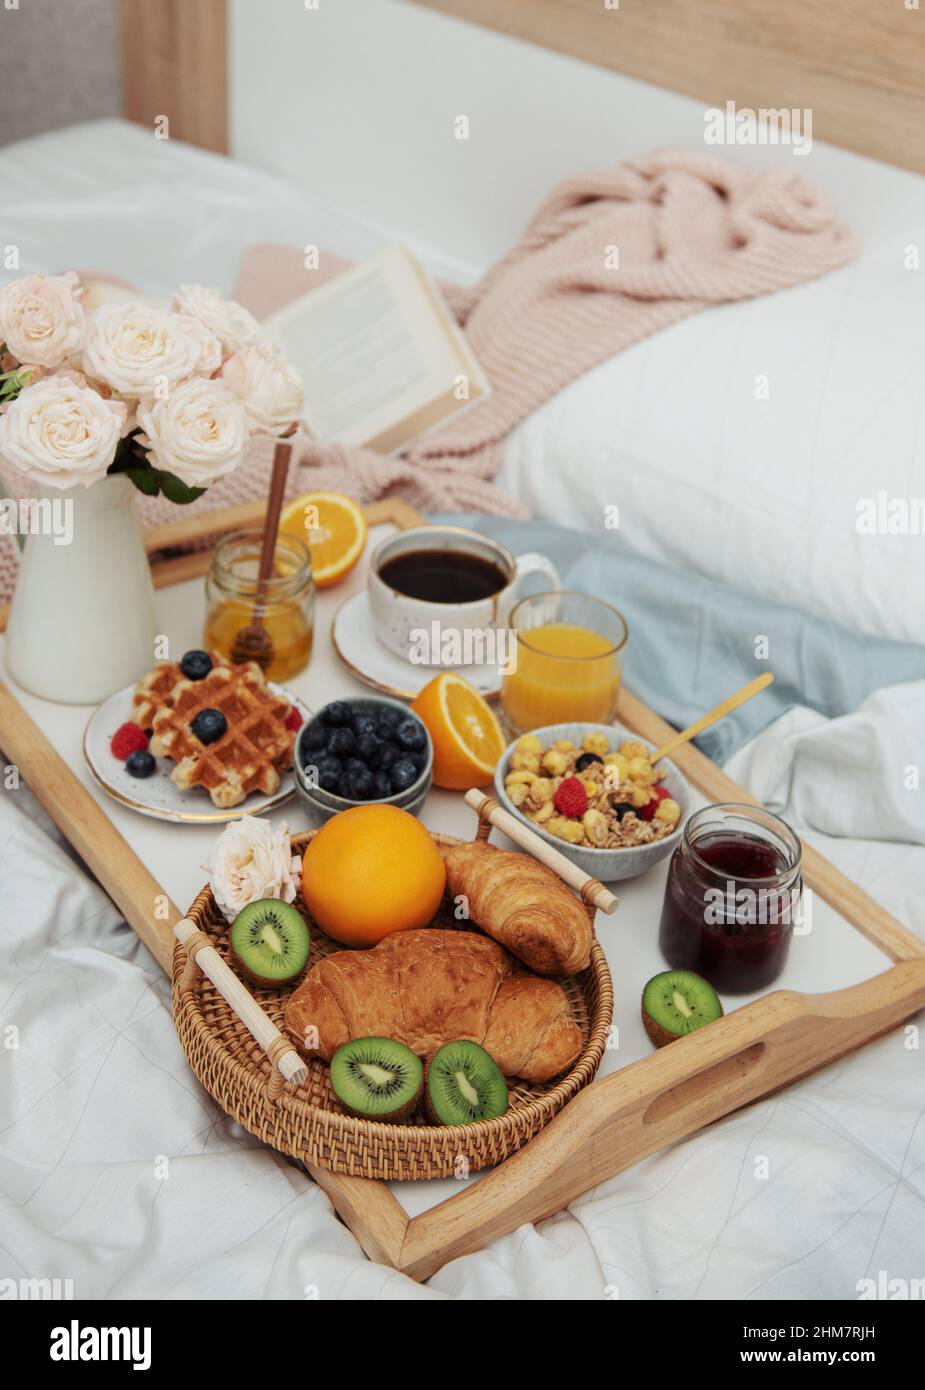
(563, 673)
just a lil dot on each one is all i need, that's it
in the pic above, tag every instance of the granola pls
(594, 796)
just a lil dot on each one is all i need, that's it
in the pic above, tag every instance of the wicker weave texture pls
(307, 1123)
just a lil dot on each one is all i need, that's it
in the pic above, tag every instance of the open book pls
(382, 358)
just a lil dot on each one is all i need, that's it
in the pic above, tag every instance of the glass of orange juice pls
(566, 662)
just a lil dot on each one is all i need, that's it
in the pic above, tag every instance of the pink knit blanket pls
(609, 258)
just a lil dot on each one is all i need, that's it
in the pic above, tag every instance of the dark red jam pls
(732, 898)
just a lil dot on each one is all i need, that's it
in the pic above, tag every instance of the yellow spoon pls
(704, 722)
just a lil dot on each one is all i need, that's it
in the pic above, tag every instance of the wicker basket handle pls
(285, 1060)
(490, 813)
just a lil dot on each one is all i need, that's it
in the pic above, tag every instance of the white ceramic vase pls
(82, 622)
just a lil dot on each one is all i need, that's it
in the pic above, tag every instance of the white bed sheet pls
(119, 1173)
(109, 196)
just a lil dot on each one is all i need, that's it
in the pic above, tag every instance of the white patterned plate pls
(157, 795)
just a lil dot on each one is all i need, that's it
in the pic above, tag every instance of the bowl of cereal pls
(590, 790)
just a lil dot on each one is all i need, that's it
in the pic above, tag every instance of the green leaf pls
(175, 490)
(13, 382)
(149, 480)
(145, 478)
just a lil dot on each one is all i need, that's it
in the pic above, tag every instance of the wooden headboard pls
(858, 65)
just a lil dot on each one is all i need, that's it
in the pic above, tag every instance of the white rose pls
(250, 860)
(198, 433)
(41, 321)
(141, 350)
(61, 433)
(230, 322)
(210, 349)
(270, 388)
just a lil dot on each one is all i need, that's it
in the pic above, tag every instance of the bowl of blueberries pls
(362, 750)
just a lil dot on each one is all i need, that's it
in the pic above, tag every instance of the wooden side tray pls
(618, 1119)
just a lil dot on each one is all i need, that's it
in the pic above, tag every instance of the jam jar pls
(732, 897)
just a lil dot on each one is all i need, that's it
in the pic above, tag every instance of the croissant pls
(523, 905)
(428, 987)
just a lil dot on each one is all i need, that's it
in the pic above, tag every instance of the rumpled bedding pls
(694, 640)
(119, 1173)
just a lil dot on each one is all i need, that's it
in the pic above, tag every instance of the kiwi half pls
(678, 1002)
(377, 1079)
(464, 1084)
(270, 941)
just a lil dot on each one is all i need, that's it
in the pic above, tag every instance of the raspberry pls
(648, 811)
(127, 739)
(293, 719)
(571, 799)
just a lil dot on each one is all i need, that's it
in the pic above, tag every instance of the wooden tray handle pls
(285, 1060)
(622, 1118)
(491, 813)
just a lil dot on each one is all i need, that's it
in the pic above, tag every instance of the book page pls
(379, 353)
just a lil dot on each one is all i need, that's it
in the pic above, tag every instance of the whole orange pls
(370, 871)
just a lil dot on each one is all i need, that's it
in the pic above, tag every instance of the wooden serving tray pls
(618, 1119)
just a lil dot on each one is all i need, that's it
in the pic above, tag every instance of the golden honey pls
(285, 602)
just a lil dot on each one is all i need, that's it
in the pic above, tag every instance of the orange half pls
(334, 529)
(467, 737)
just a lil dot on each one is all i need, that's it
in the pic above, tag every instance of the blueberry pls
(586, 760)
(196, 665)
(410, 735)
(327, 772)
(316, 736)
(363, 724)
(388, 716)
(354, 765)
(209, 725)
(385, 755)
(335, 714)
(621, 808)
(383, 785)
(342, 743)
(403, 775)
(367, 745)
(361, 785)
(140, 763)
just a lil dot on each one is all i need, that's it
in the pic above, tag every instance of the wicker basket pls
(307, 1123)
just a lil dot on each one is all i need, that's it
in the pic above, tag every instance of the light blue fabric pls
(692, 641)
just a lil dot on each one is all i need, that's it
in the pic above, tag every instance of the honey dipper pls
(253, 642)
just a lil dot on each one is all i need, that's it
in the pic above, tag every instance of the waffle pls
(153, 691)
(248, 755)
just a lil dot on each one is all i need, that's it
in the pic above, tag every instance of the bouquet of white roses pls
(167, 396)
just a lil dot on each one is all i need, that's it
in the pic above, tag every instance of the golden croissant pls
(522, 904)
(428, 987)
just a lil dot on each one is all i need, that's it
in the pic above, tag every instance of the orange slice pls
(467, 737)
(334, 529)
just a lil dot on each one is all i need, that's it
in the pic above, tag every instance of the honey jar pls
(284, 603)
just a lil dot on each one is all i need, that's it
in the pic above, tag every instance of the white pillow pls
(762, 493)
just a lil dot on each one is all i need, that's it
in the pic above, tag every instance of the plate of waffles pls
(197, 740)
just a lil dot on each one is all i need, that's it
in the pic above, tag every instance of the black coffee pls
(443, 576)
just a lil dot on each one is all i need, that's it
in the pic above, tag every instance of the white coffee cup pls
(402, 619)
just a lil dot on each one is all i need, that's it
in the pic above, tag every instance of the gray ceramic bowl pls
(604, 864)
(320, 805)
